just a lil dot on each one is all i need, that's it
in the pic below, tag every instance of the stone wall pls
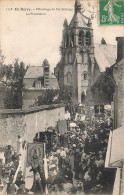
(118, 73)
(27, 123)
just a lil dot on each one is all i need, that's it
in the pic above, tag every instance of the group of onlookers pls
(80, 154)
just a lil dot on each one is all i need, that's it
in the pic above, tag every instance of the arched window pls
(72, 40)
(69, 77)
(66, 41)
(88, 38)
(80, 38)
(85, 76)
(70, 57)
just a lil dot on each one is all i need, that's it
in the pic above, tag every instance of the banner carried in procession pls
(35, 154)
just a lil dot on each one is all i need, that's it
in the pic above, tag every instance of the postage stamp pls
(111, 12)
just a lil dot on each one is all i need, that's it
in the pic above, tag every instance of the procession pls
(62, 97)
(72, 164)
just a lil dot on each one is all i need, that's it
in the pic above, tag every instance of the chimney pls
(120, 48)
(46, 68)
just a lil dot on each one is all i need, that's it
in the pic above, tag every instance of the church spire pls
(77, 6)
(65, 24)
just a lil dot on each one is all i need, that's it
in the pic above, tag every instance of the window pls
(80, 38)
(66, 41)
(37, 84)
(46, 69)
(69, 77)
(88, 38)
(70, 57)
(72, 40)
(85, 75)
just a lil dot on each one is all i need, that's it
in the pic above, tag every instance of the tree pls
(45, 63)
(65, 96)
(104, 87)
(49, 96)
(12, 78)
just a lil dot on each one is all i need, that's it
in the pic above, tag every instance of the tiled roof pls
(105, 55)
(78, 21)
(36, 72)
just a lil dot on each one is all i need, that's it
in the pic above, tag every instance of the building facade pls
(82, 61)
(118, 74)
(78, 53)
(114, 155)
(36, 80)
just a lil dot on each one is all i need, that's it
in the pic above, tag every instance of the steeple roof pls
(78, 21)
(78, 18)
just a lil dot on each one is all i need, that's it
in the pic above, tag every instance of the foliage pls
(54, 96)
(104, 87)
(45, 63)
(49, 96)
(65, 96)
(11, 77)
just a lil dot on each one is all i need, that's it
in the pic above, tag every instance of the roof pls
(36, 72)
(105, 55)
(78, 21)
(119, 63)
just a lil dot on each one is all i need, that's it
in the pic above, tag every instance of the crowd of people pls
(11, 178)
(79, 157)
(75, 163)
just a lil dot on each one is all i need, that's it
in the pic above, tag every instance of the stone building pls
(36, 80)
(115, 154)
(118, 74)
(82, 61)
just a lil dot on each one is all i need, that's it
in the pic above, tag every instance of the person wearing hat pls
(8, 154)
(19, 145)
(62, 156)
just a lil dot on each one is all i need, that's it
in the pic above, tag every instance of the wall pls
(30, 96)
(118, 73)
(27, 122)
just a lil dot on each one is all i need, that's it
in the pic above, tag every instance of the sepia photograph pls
(62, 97)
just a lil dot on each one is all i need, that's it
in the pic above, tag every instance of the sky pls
(33, 38)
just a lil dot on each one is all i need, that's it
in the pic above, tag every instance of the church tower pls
(78, 54)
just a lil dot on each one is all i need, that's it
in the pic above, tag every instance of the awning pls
(115, 153)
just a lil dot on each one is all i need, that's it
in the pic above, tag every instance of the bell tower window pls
(88, 38)
(67, 41)
(85, 75)
(70, 57)
(80, 38)
(72, 40)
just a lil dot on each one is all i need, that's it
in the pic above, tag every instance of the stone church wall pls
(27, 123)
